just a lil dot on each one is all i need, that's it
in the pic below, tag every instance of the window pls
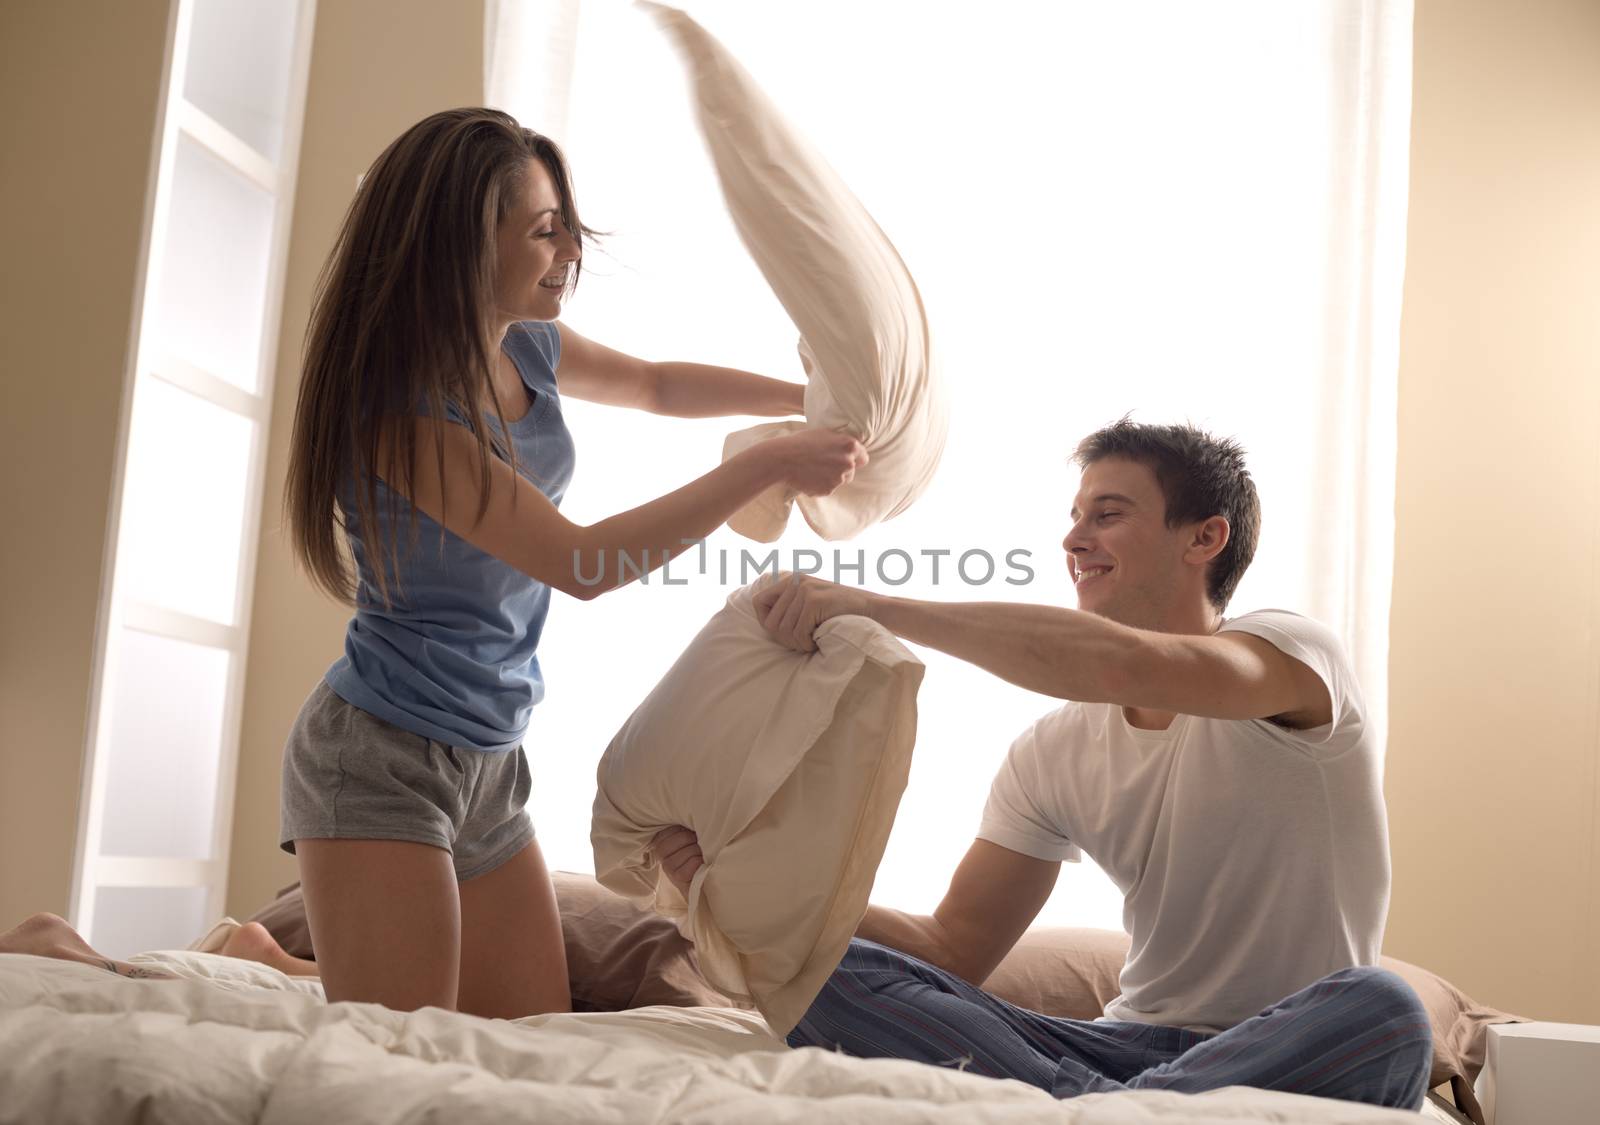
(1189, 212)
(153, 848)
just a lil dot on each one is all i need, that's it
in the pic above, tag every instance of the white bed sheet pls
(236, 1042)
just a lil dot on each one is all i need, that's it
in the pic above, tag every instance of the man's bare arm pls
(993, 897)
(1070, 654)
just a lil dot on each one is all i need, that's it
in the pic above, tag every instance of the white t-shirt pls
(1253, 859)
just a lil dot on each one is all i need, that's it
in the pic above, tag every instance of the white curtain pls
(1185, 211)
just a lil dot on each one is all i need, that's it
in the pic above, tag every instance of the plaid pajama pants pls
(1359, 1034)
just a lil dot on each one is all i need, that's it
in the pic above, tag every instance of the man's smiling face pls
(1125, 563)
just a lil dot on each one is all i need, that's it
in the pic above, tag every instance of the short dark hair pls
(1200, 476)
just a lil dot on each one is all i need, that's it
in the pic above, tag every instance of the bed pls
(232, 1041)
(622, 957)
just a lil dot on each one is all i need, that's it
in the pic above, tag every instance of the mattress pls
(232, 1041)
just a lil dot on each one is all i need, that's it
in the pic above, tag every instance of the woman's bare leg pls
(47, 935)
(252, 942)
(513, 962)
(385, 921)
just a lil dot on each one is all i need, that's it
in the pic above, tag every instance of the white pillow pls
(789, 767)
(864, 337)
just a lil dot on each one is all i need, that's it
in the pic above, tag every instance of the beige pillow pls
(621, 957)
(1073, 973)
(864, 337)
(789, 767)
(618, 956)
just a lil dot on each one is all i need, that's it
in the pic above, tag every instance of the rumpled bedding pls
(232, 1041)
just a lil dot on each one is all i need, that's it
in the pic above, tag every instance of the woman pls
(429, 431)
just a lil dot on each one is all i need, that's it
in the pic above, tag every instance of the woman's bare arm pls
(596, 373)
(524, 529)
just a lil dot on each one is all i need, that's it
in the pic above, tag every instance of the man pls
(1221, 772)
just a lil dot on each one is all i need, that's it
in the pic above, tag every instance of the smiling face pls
(1126, 564)
(535, 251)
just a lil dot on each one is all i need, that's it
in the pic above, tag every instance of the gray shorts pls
(349, 775)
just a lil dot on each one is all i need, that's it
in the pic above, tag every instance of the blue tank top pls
(454, 657)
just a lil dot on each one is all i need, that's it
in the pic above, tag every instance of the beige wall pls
(86, 78)
(1494, 754)
(81, 82)
(377, 66)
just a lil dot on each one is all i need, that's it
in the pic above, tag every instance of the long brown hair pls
(401, 322)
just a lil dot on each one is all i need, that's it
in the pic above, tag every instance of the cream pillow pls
(864, 337)
(789, 767)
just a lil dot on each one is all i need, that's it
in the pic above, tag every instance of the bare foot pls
(252, 942)
(47, 935)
